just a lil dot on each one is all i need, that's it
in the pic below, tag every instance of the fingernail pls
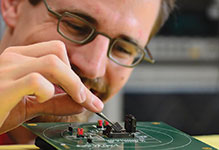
(83, 94)
(98, 104)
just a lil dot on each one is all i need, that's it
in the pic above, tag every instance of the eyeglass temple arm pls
(50, 10)
(150, 59)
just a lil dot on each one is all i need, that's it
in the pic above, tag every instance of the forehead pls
(121, 7)
(103, 3)
(124, 14)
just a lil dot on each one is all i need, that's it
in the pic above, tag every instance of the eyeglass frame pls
(94, 33)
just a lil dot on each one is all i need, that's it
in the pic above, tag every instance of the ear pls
(9, 11)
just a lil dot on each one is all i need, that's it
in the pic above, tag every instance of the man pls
(62, 57)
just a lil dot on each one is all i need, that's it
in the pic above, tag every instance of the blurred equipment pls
(182, 87)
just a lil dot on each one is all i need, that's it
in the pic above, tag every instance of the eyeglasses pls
(78, 30)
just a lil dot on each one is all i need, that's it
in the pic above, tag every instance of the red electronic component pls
(106, 123)
(100, 124)
(80, 132)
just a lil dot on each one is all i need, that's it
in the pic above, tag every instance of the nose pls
(91, 58)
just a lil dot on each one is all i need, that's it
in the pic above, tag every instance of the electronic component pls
(99, 124)
(134, 135)
(130, 123)
(70, 129)
(89, 140)
(80, 132)
(116, 126)
(130, 128)
(106, 123)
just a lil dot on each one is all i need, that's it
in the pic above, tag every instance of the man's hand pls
(27, 78)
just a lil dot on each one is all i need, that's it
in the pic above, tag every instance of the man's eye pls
(123, 50)
(76, 27)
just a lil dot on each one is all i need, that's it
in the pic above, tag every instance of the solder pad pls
(149, 135)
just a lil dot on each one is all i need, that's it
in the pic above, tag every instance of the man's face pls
(133, 18)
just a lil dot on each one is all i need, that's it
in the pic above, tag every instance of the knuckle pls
(53, 64)
(35, 80)
(8, 56)
(52, 60)
(59, 46)
(9, 49)
(60, 49)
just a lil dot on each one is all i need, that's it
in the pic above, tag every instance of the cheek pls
(140, 34)
(118, 78)
(41, 33)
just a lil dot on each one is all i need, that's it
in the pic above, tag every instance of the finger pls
(41, 49)
(12, 93)
(60, 105)
(92, 102)
(15, 118)
(3, 117)
(54, 70)
(33, 84)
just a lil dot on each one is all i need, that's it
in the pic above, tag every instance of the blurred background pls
(182, 87)
(1, 23)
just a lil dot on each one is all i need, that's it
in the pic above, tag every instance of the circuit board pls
(148, 136)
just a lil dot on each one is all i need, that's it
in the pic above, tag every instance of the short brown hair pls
(166, 8)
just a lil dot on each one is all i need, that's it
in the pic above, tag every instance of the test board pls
(148, 136)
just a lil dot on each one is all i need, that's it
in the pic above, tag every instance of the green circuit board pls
(148, 136)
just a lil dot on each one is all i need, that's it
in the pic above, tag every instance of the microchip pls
(117, 127)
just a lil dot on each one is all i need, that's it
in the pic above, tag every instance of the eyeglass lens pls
(122, 52)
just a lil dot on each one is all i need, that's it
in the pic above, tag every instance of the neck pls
(5, 41)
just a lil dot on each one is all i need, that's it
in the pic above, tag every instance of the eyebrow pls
(81, 14)
(129, 39)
